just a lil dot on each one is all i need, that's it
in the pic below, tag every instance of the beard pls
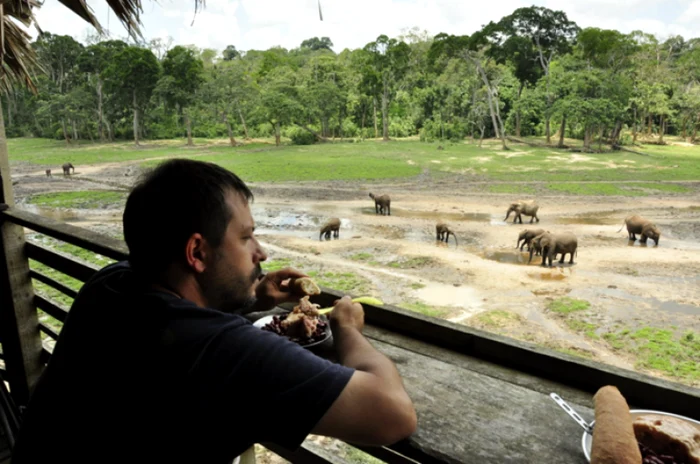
(226, 290)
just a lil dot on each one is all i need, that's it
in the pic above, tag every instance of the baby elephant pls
(66, 169)
(638, 225)
(48, 173)
(381, 203)
(526, 237)
(553, 244)
(332, 225)
(443, 233)
(520, 207)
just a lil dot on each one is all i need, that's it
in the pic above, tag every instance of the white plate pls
(260, 323)
(587, 440)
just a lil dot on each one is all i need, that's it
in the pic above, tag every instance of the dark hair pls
(168, 204)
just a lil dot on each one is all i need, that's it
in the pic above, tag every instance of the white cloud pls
(260, 24)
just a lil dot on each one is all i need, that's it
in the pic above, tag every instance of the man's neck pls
(184, 290)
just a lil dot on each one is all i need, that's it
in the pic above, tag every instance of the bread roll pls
(305, 286)
(613, 436)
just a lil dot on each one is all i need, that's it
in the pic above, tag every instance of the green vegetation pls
(497, 319)
(417, 285)
(661, 349)
(518, 189)
(412, 262)
(424, 309)
(342, 281)
(622, 189)
(568, 305)
(88, 199)
(276, 264)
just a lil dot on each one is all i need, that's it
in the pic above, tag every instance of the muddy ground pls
(628, 285)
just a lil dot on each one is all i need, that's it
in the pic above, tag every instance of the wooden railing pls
(26, 354)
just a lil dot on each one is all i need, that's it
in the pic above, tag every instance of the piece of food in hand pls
(614, 441)
(669, 436)
(305, 286)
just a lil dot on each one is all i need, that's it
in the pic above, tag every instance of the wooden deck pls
(480, 398)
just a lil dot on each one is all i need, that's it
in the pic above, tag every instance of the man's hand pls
(347, 314)
(274, 289)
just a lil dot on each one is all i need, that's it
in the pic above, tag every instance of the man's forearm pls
(355, 351)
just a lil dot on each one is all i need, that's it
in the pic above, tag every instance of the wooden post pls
(19, 323)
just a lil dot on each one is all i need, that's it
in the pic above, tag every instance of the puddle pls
(448, 295)
(554, 275)
(510, 257)
(632, 302)
(588, 220)
(71, 216)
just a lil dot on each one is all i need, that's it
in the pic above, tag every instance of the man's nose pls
(262, 256)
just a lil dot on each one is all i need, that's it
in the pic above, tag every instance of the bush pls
(401, 127)
(300, 136)
(350, 129)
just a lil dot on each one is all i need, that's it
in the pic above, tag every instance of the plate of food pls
(639, 435)
(304, 325)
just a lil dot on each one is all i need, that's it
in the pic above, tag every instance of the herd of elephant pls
(539, 241)
(66, 170)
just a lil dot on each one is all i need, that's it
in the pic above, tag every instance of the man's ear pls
(196, 252)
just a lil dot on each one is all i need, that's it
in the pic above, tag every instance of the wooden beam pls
(304, 455)
(51, 308)
(70, 267)
(48, 331)
(84, 238)
(52, 283)
(19, 329)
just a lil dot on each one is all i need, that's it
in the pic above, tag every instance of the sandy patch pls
(436, 162)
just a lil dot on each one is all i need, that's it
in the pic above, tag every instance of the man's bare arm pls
(374, 408)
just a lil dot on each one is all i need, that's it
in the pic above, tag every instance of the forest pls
(532, 73)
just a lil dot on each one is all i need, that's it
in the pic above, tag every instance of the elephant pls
(66, 169)
(638, 225)
(520, 207)
(333, 225)
(48, 173)
(526, 237)
(381, 203)
(443, 232)
(553, 244)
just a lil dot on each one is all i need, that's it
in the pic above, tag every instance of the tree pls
(389, 58)
(278, 99)
(314, 43)
(549, 31)
(182, 77)
(132, 76)
(230, 53)
(232, 90)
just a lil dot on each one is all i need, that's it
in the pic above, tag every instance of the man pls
(156, 364)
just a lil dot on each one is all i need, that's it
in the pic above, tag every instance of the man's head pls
(189, 221)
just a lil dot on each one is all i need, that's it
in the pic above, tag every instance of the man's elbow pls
(403, 424)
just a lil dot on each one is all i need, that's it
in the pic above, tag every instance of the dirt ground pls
(628, 285)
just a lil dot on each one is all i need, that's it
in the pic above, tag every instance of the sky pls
(261, 24)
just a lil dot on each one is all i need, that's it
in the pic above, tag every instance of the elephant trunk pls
(532, 250)
(320, 235)
(453, 234)
(507, 215)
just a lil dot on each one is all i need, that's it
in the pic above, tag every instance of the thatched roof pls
(17, 56)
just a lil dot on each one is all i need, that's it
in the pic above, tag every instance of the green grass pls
(263, 162)
(342, 281)
(568, 305)
(423, 308)
(88, 199)
(412, 263)
(497, 318)
(276, 264)
(417, 286)
(361, 257)
(677, 355)
(632, 189)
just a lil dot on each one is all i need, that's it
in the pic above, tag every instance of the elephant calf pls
(553, 244)
(66, 169)
(443, 232)
(526, 237)
(381, 203)
(520, 207)
(645, 228)
(333, 225)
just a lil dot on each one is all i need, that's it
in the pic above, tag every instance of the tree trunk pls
(517, 113)
(362, 124)
(495, 116)
(548, 115)
(230, 131)
(481, 137)
(188, 124)
(600, 140)
(75, 130)
(313, 132)
(100, 111)
(562, 131)
(684, 131)
(110, 131)
(662, 128)
(385, 112)
(695, 133)
(374, 107)
(277, 134)
(616, 132)
(9, 110)
(649, 126)
(587, 138)
(245, 127)
(634, 127)
(65, 131)
(136, 121)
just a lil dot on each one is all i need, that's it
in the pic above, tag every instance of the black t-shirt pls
(139, 375)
